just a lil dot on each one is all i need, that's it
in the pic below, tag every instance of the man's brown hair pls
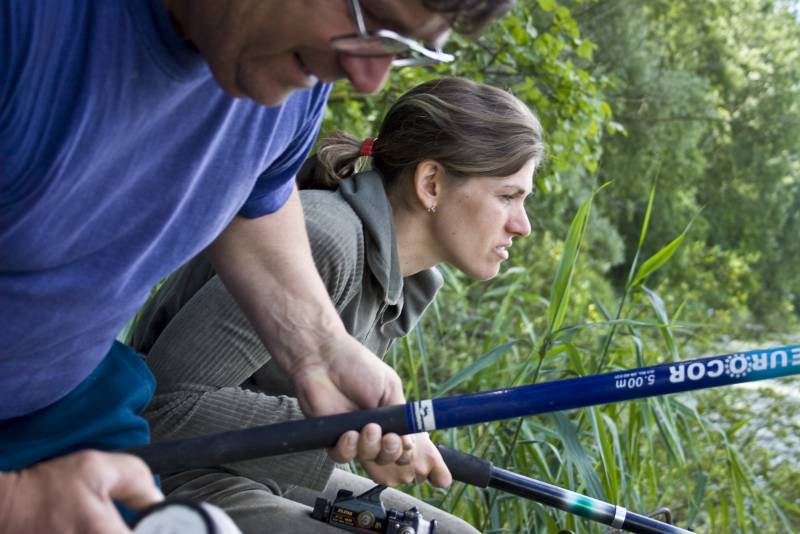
(470, 17)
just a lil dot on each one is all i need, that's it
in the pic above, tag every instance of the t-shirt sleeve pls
(275, 184)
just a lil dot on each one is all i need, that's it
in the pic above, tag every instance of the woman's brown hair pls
(471, 129)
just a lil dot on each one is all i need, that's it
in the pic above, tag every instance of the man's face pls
(265, 49)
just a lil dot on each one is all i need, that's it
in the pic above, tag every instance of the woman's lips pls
(501, 251)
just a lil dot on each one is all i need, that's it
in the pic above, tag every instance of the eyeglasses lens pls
(369, 45)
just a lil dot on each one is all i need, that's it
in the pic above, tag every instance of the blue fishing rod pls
(319, 432)
(462, 410)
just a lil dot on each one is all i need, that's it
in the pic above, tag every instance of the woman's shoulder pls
(335, 231)
(327, 210)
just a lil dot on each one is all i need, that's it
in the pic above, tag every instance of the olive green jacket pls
(213, 372)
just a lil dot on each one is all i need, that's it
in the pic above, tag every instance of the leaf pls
(575, 453)
(605, 435)
(666, 425)
(697, 498)
(600, 306)
(501, 317)
(478, 365)
(657, 303)
(574, 357)
(647, 214)
(585, 49)
(659, 258)
(638, 349)
(547, 5)
(559, 292)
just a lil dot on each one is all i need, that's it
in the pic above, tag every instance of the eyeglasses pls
(407, 52)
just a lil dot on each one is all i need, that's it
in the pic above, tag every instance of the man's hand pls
(389, 460)
(343, 377)
(357, 379)
(75, 494)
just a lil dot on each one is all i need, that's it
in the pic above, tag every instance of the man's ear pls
(428, 184)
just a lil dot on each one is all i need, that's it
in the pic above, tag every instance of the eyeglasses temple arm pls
(358, 17)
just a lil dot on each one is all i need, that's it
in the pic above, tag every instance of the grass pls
(674, 452)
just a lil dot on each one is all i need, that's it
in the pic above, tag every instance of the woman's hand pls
(391, 459)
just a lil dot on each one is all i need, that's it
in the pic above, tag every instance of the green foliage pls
(708, 93)
(643, 454)
(702, 99)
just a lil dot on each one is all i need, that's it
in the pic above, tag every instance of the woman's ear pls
(428, 182)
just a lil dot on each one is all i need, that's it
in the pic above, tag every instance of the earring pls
(432, 209)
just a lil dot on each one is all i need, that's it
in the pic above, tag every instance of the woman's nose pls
(520, 224)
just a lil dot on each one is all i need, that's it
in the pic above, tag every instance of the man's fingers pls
(104, 518)
(346, 448)
(439, 475)
(441, 478)
(393, 391)
(369, 443)
(391, 449)
(76, 493)
(319, 396)
(429, 464)
(133, 485)
(409, 444)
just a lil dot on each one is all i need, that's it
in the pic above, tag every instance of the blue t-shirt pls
(120, 159)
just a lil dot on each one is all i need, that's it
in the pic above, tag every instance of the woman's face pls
(477, 219)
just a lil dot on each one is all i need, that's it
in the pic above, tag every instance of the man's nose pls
(367, 74)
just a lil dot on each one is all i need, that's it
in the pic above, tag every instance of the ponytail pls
(336, 159)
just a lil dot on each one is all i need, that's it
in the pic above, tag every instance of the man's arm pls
(266, 264)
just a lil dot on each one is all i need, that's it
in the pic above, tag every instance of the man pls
(132, 136)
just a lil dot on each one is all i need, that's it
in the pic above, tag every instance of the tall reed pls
(643, 454)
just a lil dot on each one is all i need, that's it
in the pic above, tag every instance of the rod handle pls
(166, 457)
(466, 467)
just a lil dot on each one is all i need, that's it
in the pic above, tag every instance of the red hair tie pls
(366, 147)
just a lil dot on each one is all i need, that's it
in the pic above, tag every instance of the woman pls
(451, 167)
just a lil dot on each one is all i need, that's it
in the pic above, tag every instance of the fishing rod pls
(482, 473)
(294, 436)
(367, 510)
(169, 514)
(449, 412)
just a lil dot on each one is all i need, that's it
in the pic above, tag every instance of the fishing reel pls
(182, 516)
(366, 513)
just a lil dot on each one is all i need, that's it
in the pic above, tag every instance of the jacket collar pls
(405, 299)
